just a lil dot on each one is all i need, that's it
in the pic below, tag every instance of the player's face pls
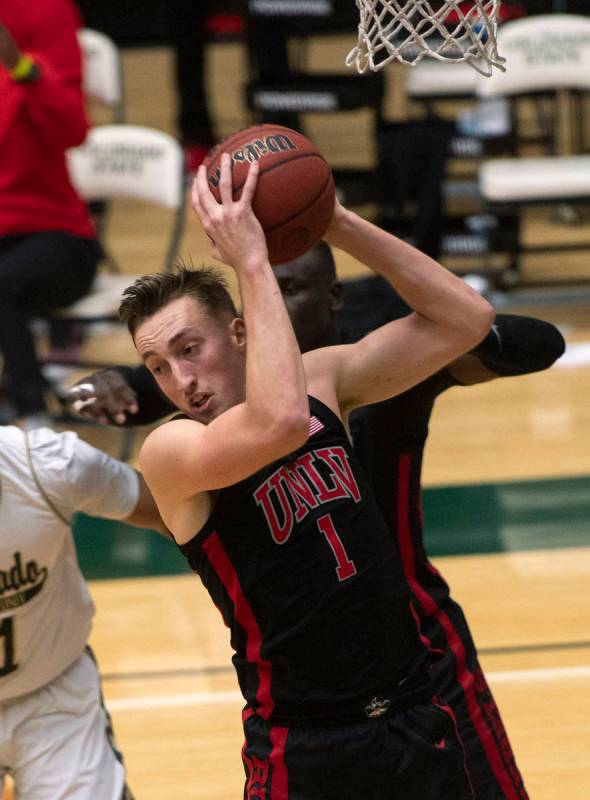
(311, 297)
(197, 360)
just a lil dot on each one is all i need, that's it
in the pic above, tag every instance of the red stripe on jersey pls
(279, 788)
(435, 652)
(464, 676)
(244, 615)
(315, 426)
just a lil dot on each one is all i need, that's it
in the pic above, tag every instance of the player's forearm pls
(275, 392)
(275, 381)
(427, 287)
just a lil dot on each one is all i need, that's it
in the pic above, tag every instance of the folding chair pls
(125, 161)
(430, 80)
(547, 60)
(102, 78)
(134, 162)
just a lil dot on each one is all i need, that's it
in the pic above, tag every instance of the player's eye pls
(155, 369)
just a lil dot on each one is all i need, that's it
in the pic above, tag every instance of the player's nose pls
(184, 377)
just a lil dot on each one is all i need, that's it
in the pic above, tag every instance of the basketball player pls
(389, 440)
(56, 738)
(260, 488)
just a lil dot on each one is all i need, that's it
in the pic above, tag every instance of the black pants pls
(188, 27)
(268, 61)
(459, 679)
(39, 272)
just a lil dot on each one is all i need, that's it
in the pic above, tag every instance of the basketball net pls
(410, 30)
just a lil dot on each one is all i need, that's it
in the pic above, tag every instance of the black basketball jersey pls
(389, 440)
(309, 581)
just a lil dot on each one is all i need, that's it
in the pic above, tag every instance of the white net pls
(410, 30)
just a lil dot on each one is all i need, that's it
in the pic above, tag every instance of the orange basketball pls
(294, 198)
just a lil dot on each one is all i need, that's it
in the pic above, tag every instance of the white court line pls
(577, 354)
(547, 674)
(174, 700)
(214, 698)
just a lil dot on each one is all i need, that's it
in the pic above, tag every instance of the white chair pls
(446, 91)
(430, 80)
(123, 161)
(134, 162)
(102, 78)
(547, 56)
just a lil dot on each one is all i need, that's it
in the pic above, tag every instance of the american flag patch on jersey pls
(315, 426)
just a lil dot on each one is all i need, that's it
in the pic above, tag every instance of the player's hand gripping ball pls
(294, 198)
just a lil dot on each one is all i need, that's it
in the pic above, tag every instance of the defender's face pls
(197, 360)
(311, 300)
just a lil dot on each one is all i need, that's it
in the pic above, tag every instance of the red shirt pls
(40, 120)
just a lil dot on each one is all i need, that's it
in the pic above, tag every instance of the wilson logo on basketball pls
(255, 150)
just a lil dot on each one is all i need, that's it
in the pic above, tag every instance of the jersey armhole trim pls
(327, 412)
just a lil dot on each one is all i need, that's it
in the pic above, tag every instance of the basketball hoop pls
(410, 30)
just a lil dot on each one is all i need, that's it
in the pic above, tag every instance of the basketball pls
(294, 198)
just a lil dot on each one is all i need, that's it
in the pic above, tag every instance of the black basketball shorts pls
(413, 754)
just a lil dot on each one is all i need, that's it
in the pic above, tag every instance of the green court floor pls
(485, 518)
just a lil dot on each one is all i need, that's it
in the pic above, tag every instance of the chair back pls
(101, 70)
(129, 161)
(132, 161)
(431, 79)
(543, 53)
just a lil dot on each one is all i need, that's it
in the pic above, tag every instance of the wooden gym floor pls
(507, 476)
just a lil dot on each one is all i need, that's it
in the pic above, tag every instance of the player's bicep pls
(392, 359)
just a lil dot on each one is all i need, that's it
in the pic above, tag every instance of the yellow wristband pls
(22, 69)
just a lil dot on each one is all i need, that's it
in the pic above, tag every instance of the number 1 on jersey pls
(7, 664)
(346, 568)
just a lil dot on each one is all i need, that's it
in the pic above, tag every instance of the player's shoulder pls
(45, 446)
(173, 430)
(11, 437)
(55, 447)
(13, 452)
(64, 461)
(161, 444)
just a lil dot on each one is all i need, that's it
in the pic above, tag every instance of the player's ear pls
(335, 295)
(238, 332)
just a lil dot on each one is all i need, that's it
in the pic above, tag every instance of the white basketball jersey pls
(45, 607)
